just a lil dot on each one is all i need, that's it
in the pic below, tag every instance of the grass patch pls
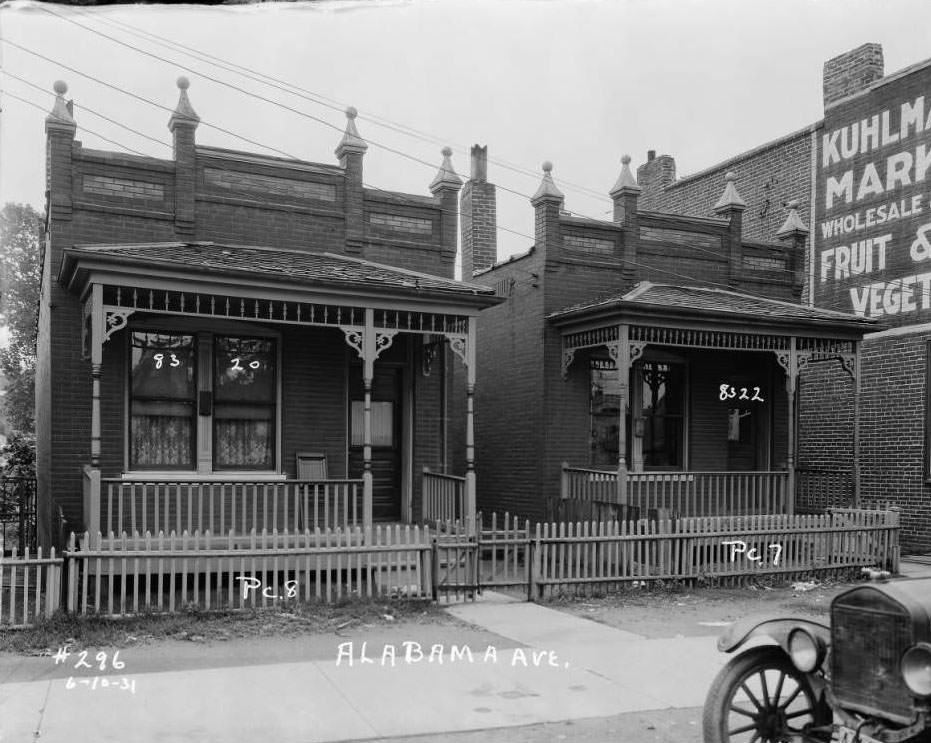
(195, 625)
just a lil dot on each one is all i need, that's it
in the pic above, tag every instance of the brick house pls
(234, 341)
(646, 362)
(861, 175)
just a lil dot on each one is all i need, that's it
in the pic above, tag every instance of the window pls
(662, 402)
(244, 403)
(194, 402)
(162, 411)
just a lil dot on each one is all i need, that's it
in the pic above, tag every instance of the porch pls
(243, 389)
(692, 399)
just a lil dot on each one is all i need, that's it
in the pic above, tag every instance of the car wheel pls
(760, 697)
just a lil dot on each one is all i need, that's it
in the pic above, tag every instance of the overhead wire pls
(288, 155)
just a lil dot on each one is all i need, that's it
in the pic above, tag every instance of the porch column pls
(856, 423)
(791, 381)
(92, 504)
(469, 505)
(368, 373)
(622, 362)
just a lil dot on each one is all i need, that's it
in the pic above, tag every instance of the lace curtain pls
(243, 443)
(162, 441)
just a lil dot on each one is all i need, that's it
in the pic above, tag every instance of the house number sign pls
(728, 392)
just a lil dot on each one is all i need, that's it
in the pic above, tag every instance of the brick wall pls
(509, 392)
(851, 72)
(213, 195)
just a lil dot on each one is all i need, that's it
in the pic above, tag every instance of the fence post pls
(435, 572)
(534, 588)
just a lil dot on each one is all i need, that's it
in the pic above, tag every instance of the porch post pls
(791, 380)
(856, 424)
(92, 518)
(470, 505)
(368, 373)
(623, 372)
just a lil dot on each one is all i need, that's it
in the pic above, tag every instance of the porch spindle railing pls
(677, 494)
(443, 496)
(818, 489)
(153, 506)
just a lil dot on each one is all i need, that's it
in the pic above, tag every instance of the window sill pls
(186, 476)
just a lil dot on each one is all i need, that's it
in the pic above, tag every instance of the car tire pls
(759, 695)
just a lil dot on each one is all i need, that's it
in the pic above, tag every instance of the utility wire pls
(289, 156)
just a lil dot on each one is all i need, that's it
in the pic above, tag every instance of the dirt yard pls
(669, 612)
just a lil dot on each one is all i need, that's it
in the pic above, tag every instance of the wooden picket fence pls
(124, 575)
(598, 556)
(29, 587)
(131, 574)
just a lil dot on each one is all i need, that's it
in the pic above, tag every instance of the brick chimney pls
(182, 124)
(478, 212)
(349, 151)
(656, 174)
(852, 71)
(731, 207)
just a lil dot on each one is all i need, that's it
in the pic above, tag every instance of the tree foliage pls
(21, 235)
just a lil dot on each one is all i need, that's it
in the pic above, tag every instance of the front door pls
(386, 437)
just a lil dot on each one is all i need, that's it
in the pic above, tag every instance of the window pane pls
(243, 437)
(163, 366)
(244, 370)
(162, 435)
(162, 404)
(605, 407)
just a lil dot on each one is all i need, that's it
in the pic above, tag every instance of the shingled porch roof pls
(695, 303)
(208, 260)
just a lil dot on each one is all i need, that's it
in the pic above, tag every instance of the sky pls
(576, 82)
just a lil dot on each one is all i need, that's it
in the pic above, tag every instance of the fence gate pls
(495, 555)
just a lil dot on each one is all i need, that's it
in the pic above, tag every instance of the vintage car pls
(864, 678)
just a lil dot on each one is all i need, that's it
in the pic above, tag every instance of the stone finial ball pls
(183, 83)
(730, 176)
(625, 160)
(547, 166)
(351, 112)
(793, 204)
(447, 151)
(60, 87)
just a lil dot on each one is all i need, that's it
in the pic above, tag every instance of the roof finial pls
(547, 190)
(60, 114)
(184, 112)
(730, 200)
(793, 226)
(626, 183)
(351, 143)
(446, 176)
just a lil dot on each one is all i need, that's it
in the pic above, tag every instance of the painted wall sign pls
(872, 220)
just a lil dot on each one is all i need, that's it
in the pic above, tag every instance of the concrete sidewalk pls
(549, 666)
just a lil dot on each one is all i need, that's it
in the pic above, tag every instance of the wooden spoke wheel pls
(760, 697)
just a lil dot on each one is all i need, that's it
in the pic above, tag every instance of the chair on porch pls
(309, 466)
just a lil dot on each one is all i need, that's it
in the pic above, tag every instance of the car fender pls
(777, 630)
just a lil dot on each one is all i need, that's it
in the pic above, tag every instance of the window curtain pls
(243, 443)
(162, 441)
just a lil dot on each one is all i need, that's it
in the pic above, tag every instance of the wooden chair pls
(311, 466)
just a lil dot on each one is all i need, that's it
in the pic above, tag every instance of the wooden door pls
(387, 415)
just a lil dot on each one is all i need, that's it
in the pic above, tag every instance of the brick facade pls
(211, 194)
(893, 416)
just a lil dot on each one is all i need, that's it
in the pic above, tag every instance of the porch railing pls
(443, 496)
(153, 506)
(677, 494)
(818, 489)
